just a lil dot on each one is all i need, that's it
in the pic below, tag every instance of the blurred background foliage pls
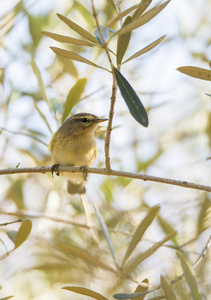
(34, 87)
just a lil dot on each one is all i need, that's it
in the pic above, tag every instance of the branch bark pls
(102, 171)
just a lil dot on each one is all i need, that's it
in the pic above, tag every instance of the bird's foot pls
(84, 170)
(54, 169)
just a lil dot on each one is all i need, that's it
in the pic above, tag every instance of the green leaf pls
(42, 116)
(84, 291)
(74, 56)
(80, 253)
(195, 72)
(146, 49)
(167, 228)
(143, 19)
(145, 223)
(40, 81)
(120, 16)
(106, 234)
(141, 289)
(6, 298)
(166, 286)
(82, 32)
(131, 265)
(204, 219)
(122, 296)
(73, 97)
(111, 2)
(23, 233)
(141, 8)
(188, 273)
(67, 39)
(132, 100)
(123, 42)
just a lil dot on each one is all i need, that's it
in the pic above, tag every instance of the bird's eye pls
(84, 120)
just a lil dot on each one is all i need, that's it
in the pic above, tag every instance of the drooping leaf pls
(106, 234)
(85, 291)
(132, 100)
(67, 39)
(74, 56)
(166, 286)
(23, 233)
(146, 49)
(42, 116)
(123, 42)
(73, 97)
(40, 81)
(120, 16)
(145, 223)
(143, 19)
(82, 32)
(190, 278)
(132, 264)
(141, 289)
(80, 253)
(204, 219)
(167, 228)
(196, 72)
(141, 8)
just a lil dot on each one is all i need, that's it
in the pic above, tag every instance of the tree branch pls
(102, 171)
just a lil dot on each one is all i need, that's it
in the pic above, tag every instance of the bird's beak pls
(101, 120)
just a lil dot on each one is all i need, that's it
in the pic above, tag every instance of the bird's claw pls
(84, 170)
(54, 169)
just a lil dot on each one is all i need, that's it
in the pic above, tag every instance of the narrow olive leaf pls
(106, 234)
(132, 100)
(145, 223)
(195, 72)
(167, 228)
(73, 97)
(166, 286)
(80, 253)
(132, 264)
(82, 32)
(143, 19)
(85, 291)
(42, 116)
(40, 81)
(141, 8)
(122, 296)
(6, 298)
(204, 219)
(146, 49)
(111, 2)
(23, 233)
(189, 277)
(67, 39)
(120, 16)
(123, 42)
(74, 56)
(141, 289)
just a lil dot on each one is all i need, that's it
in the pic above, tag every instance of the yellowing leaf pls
(120, 16)
(195, 72)
(73, 97)
(146, 49)
(74, 56)
(141, 8)
(166, 285)
(145, 223)
(141, 289)
(143, 19)
(23, 233)
(123, 42)
(67, 39)
(82, 32)
(85, 291)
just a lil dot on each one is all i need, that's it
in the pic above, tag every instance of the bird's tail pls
(76, 188)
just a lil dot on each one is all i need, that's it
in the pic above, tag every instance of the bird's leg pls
(84, 170)
(54, 169)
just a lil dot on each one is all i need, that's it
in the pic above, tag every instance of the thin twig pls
(9, 223)
(102, 171)
(113, 94)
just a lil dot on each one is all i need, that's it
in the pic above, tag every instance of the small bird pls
(73, 144)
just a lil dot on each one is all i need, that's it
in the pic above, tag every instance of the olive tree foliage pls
(127, 239)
